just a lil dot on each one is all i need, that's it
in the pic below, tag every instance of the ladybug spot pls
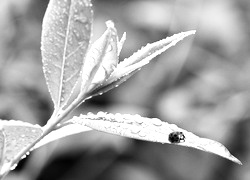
(176, 137)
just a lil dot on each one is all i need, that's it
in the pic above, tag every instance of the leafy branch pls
(69, 58)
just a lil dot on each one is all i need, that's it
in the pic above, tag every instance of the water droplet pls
(77, 35)
(142, 133)
(89, 97)
(24, 156)
(110, 48)
(101, 114)
(110, 117)
(138, 119)
(119, 117)
(118, 114)
(135, 130)
(90, 114)
(173, 126)
(81, 18)
(13, 167)
(156, 121)
(129, 121)
(107, 125)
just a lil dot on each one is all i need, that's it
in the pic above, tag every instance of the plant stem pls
(52, 122)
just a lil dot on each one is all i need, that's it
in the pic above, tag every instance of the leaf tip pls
(188, 33)
(192, 31)
(110, 24)
(234, 159)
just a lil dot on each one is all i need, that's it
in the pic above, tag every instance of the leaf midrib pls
(64, 56)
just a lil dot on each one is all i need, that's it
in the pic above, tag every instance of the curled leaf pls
(102, 59)
(110, 58)
(151, 129)
(66, 33)
(94, 58)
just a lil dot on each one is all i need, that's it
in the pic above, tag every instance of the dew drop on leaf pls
(135, 130)
(14, 166)
(81, 18)
(156, 122)
(142, 133)
(139, 120)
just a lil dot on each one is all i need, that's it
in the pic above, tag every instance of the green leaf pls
(96, 54)
(134, 63)
(148, 52)
(14, 137)
(67, 27)
(110, 58)
(150, 129)
(143, 56)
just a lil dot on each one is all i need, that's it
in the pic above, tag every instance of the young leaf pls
(151, 129)
(16, 136)
(152, 50)
(145, 55)
(66, 32)
(134, 63)
(94, 58)
(110, 58)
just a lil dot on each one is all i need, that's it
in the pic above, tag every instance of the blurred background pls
(202, 85)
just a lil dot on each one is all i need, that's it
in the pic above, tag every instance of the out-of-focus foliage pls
(201, 85)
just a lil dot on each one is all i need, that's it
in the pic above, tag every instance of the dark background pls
(202, 85)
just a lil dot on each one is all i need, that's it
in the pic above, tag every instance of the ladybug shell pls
(176, 137)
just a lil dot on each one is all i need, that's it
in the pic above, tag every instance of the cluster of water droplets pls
(122, 124)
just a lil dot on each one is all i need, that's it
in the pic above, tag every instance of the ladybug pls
(176, 137)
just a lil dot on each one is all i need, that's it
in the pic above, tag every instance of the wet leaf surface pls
(134, 63)
(15, 136)
(110, 58)
(151, 129)
(66, 33)
(94, 58)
